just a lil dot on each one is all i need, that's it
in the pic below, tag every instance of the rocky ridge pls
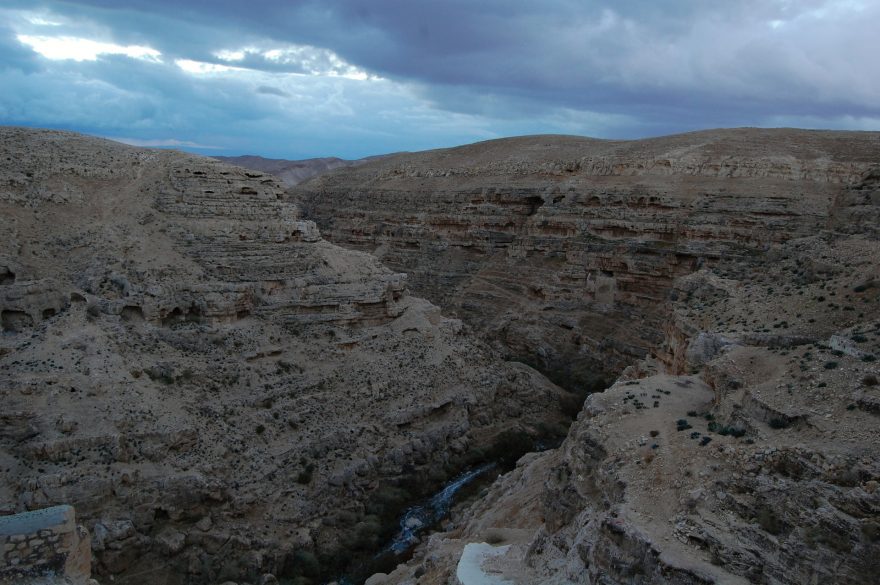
(219, 392)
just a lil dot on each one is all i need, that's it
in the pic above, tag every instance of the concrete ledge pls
(28, 522)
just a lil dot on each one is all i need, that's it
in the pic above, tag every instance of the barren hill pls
(218, 391)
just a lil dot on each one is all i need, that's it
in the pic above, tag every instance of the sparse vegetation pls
(305, 476)
(778, 423)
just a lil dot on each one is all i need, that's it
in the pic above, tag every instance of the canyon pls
(230, 379)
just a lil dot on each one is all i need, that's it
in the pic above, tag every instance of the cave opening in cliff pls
(7, 277)
(15, 321)
(534, 203)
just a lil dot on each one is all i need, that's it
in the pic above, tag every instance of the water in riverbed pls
(426, 514)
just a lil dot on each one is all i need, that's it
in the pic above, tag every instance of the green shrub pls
(302, 564)
(494, 537)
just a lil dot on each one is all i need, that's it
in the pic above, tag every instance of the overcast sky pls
(350, 78)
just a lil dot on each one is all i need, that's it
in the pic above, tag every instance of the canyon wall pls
(746, 452)
(562, 250)
(221, 393)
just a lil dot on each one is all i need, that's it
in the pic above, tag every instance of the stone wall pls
(43, 544)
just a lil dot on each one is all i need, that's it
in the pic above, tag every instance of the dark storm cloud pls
(625, 68)
(13, 55)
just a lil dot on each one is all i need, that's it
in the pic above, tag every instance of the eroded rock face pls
(219, 392)
(755, 459)
(563, 251)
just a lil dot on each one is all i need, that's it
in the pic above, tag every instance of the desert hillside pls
(219, 392)
(291, 172)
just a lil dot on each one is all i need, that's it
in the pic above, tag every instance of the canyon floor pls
(235, 381)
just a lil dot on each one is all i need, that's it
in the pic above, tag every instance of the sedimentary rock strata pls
(218, 391)
(563, 250)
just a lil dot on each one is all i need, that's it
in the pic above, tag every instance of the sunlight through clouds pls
(80, 49)
(201, 68)
(301, 59)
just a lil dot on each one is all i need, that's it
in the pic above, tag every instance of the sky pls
(351, 78)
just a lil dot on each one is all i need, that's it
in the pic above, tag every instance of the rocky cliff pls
(218, 391)
(563, 250)
(748, 452)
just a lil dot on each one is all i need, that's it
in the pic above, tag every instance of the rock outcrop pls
(563, 251)
(219, 392)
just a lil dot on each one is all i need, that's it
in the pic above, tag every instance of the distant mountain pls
(293, 172)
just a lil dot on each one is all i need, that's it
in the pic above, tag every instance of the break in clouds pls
(348, 78)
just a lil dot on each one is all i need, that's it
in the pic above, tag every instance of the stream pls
(426, 514)
(417, 519)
